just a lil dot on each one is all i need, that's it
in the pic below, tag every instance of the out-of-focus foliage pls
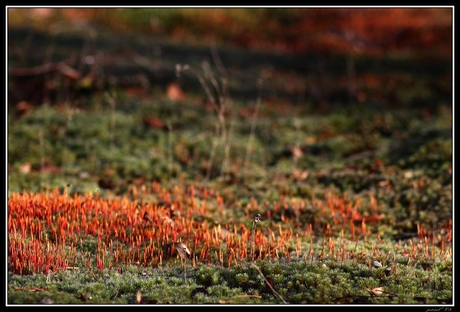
(309, 29)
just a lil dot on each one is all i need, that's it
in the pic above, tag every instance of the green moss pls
(394, 162)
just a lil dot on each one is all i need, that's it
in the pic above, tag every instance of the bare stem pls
(253, 128)
(253, 234)
(227, 148)
(211, 155)
(269, 285)
(112, 120)
(170, 155)
(42, 150)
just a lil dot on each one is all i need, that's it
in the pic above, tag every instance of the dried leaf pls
(239, 296)
(182, 249)
(300, 175)
(38, 289)
(85, 297)
(153, 123)
(174, 92)
(46, 301)
(25, 168)
(375, 291)
(376, 264)
(296, 152)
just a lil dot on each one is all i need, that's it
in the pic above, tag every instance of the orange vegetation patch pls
(304, 30)
(149, 225)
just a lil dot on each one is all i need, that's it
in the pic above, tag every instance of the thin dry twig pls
(239, 296)
(253, 234)
(269, 285)
(253, 128)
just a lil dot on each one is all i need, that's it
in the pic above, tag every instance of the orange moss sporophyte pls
(137, 230)
(49, 230)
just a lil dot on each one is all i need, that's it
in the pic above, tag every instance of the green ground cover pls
(290, 127)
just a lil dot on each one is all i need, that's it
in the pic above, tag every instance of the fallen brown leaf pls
(375, 291)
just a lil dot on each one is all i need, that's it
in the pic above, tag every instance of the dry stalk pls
(170, 154)
(253, 234)
(253, 126)
(269, 285)
(220, 103)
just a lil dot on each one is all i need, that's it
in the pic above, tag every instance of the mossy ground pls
(304, 151)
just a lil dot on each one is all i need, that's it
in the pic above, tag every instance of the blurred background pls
(321, 56)
(86, 81)
(422, 31)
